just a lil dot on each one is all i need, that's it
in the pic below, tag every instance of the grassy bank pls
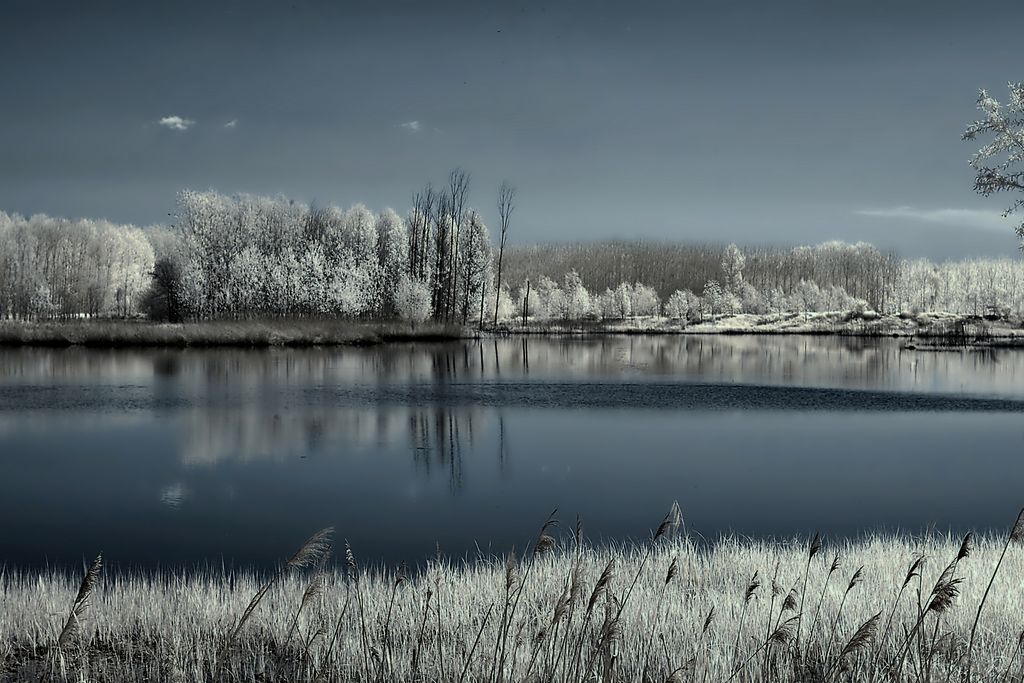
(876, 609)
(930, 328)
(285, 332)
(933, 326)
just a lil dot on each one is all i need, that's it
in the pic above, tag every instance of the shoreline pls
(923, 332)
(239, 334)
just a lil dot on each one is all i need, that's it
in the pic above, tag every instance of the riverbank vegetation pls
(883, 608)
(245, 333)
(250, 258)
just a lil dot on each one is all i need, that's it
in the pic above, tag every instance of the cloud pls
(176, 123)
(960, 218)
(411, 126)
(231, 124)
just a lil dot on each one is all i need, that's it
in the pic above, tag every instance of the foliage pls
(999, 165)
(58, 268)
(412, 299)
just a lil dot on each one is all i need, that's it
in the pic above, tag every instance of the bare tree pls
(419, 230)
(506, 203)
(442, 247)
(458, 192)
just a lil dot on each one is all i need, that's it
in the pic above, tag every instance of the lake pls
(164, 458)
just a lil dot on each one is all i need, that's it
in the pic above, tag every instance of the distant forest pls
(860, 269)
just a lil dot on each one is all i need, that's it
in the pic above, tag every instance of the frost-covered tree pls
(835, 298)
(575, 298)
(733, 263)
(317, 297)
(412, 299)
(683, 305)
(644, 300)
(247, 273)
(861, 269)
(1000, 163)
(606, 305)
(474, 266)
(775, 300)
(623, 300)
(806, 297)
(58, 268)
(505, 305)
(392, 258)
(714, 298)
(751, 300)
(547, 296)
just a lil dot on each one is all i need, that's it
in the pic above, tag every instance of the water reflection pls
(280, 404)
(848, 362)
(186, 455)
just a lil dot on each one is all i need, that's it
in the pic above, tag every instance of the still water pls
(187, 457)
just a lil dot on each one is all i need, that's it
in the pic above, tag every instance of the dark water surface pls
(170, 457)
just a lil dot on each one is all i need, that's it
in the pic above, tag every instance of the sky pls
(755, 122)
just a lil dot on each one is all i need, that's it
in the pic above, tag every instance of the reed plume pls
(73, 625)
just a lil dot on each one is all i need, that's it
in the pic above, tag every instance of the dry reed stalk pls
(73, 625)
(1016, 535)
(748, 594)
(338, 626)
(599, 589)
(941, 597)
(385, 639)
(670, 573)
(542, 544)
(669, 524)
(418, 647)
(913, 571)
(860, 640)
(812, 549)
(781, 636)
(476, 641)
(833, 568)
(316, 587)
(854, 580)
(312, 552)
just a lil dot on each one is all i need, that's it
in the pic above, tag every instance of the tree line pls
(57, 268)
(726, 280)
(242, 256)
(248, 257)
(861, 269)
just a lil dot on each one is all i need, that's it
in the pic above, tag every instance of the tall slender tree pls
(506, 204)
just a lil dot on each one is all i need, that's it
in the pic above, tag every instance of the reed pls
(567, 612)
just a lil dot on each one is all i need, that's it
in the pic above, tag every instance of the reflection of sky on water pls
(161, 457)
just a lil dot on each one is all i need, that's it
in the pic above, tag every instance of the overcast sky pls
(729, 121)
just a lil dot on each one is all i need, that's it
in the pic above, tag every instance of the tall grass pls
(668, 609)
(246, 333)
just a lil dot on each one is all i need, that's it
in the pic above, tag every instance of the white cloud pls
(231, 124)
(411, 126)
(176, 123)
(959, 218)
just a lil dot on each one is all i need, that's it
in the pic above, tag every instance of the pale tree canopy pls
(1000, 163)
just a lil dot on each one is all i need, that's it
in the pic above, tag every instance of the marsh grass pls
(930, 608)
(242, 333)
